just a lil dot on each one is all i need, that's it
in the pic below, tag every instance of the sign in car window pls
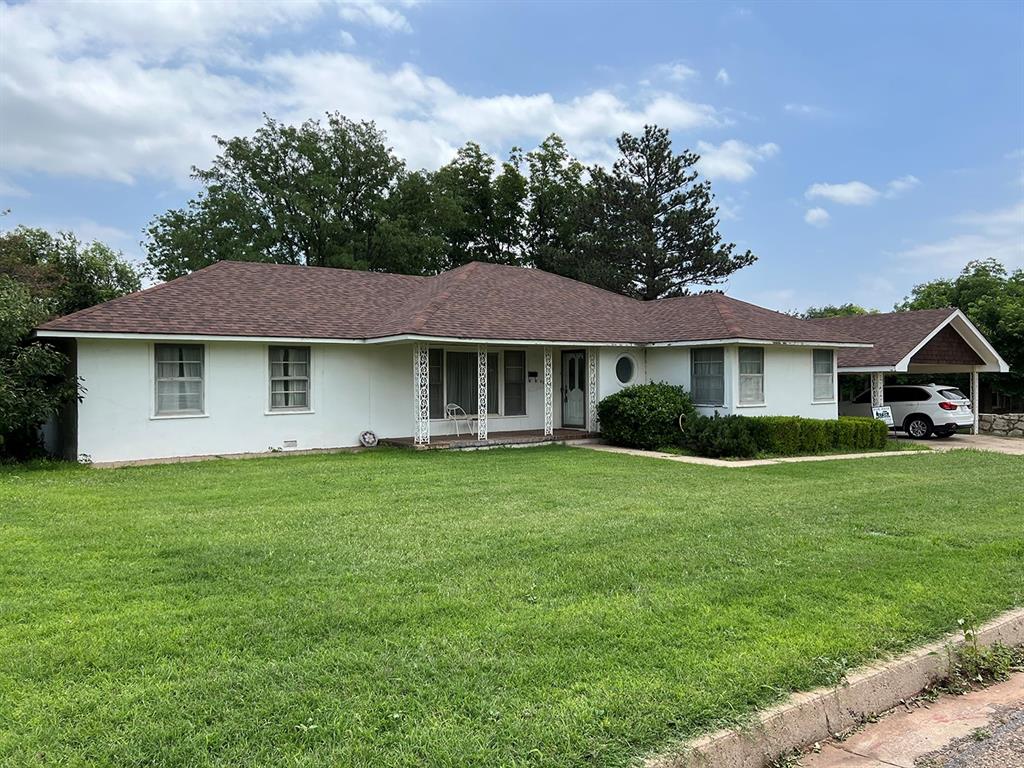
(883, 413)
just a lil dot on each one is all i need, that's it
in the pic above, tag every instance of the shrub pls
(721, 436)
(645, 415)
(744, 436)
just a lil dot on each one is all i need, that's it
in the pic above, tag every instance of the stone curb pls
(806, 718)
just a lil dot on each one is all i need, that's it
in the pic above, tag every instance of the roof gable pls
(893, 334)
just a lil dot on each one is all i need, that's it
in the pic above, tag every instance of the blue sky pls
(857, 148)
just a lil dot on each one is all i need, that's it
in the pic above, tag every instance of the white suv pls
(919, 410)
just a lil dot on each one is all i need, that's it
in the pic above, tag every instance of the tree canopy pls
(334, 194)
(43, 276)
(837, 310)
(993, 298)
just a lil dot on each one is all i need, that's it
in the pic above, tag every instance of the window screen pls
(179, 378)
(707, 377)
(824, 386)
(289, 378)
(751, 375)
(515, 383)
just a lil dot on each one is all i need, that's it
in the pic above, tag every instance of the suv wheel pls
(918, 427)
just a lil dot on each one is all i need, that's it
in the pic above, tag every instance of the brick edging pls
(806, 718)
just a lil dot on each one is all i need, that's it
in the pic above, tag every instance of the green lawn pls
(544, 606)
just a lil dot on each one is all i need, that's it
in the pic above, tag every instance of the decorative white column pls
(421, 394)
(592, 425)
(549, 399)
(481, 392)
(877, 389)
(975, 401)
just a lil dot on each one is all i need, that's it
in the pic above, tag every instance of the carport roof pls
(902, 340)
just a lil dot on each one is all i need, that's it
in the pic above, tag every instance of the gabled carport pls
(922, 341)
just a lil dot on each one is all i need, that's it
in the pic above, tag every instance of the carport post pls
(975, 401)
(877, 389)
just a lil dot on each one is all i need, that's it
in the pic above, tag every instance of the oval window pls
(624, 369)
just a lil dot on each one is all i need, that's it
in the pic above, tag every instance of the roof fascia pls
(763, 343)
(190, 337)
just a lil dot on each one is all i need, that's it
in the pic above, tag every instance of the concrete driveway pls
(1013, 446)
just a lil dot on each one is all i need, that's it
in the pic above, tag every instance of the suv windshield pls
(952, 394)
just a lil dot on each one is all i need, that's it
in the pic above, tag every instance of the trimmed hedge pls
(749, 436)
(645, 416)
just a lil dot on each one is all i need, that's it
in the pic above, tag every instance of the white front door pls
(574, 388)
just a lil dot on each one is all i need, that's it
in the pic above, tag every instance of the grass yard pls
(532, 607)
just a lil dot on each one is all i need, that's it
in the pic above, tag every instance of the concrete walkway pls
(742, 462)
(1014, 446)
(981, 729)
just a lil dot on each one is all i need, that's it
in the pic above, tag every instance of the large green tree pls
(566, 228)
(64, 271)
(837, 310)
(309, 194)
(42, 276)
(661, 219)
(993, 298)
(483, 214)
(334, 194)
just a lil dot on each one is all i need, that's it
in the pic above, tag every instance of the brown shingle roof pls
(894, 334)
(475, 301)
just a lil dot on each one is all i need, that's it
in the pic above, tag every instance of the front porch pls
(501, 394)
(493, 440)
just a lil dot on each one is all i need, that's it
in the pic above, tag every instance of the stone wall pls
(1002, 424)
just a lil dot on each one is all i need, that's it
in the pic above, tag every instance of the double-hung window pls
(824, 376)
(179, 379)
(289, 378)
(751, 375)
(707, 375)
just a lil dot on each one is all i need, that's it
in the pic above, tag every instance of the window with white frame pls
(707, 375)
(824, 374)
(179, 379)
(453, 379)
(751, 375)
(289, 378)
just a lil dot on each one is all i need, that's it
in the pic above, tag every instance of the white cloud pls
(732, 160)
(999, 222)
(806, 110)
(374, 14)
(10, 189)
(995, 234)
(679, 72)
(899, 186)
(132, 90)
(723, 77)
(817, 217)
(850, 193)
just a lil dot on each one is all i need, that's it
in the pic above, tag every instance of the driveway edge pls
(806, 718)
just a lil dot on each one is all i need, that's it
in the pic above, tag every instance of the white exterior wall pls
(354, 388)
(788, 381)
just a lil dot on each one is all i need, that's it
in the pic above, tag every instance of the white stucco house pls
(246, 358)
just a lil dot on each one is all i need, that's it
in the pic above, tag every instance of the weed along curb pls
(806, 718)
